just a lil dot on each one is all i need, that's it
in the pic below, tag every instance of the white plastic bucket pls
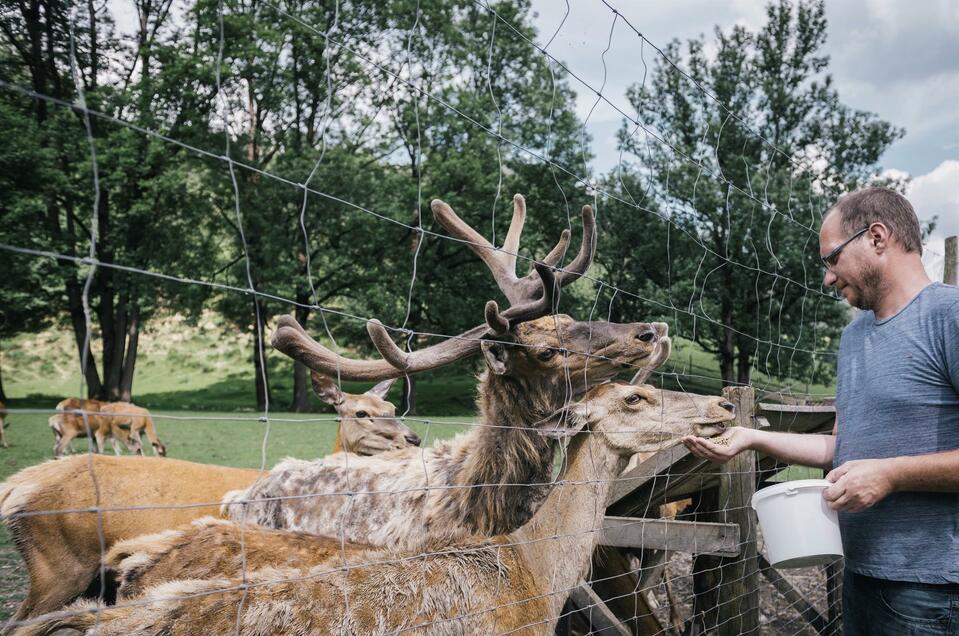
(798, 527)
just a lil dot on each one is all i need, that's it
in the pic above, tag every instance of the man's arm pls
(790, 448)
(860, 483)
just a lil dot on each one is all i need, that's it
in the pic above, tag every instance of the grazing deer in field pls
(62, 569)
(121, 421)
(504, 584)
(129, 420)
(75, 418)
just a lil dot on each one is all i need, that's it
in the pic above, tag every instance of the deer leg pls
(63, 442)
(3, 432)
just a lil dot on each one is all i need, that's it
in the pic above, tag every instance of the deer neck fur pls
(558, 542)
(506, 455)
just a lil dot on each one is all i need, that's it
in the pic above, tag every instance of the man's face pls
(854, 273)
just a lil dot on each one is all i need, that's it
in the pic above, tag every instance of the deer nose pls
(647, 334)
(729, 406)
(413, 439)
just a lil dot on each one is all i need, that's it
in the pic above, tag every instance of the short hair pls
(874, 204)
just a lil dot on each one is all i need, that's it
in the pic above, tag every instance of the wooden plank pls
(694, 537)
(738, 610)
(950, 268)
(795, 599)
(601, 617)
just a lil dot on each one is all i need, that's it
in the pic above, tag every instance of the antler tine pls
(499, 322)
(501, 264)
(587, 250)
(656, 361)
(511, 244)
(292, 339)
(559, 250)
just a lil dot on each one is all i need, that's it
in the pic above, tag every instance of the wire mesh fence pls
(289, 150)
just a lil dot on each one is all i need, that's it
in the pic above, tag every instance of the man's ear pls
(497, 356)
(566, 422)
(326, 389)
(381, 389)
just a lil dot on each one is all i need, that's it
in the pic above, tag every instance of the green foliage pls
(755, 146)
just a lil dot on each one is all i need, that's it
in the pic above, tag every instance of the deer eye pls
(546, 354)
(362, 415)
(635, 398)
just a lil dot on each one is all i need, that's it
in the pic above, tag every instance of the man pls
(893, 457)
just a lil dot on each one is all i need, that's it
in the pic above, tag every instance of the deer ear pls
(326, 389)
(497, 356)
(566, 422)
(381, 389)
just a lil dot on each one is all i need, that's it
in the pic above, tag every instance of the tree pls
(753, 144)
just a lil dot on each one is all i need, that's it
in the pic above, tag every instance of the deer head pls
(639, 418)
(367, 422)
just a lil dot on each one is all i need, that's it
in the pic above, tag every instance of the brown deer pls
(126, 422)
(63, 551)
(75, 418)
(504, 584)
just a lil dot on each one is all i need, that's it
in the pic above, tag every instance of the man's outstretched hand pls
(720, 449)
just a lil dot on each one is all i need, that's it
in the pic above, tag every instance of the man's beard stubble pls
(872, 288)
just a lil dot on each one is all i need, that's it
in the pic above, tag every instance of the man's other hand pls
(858, 484)
(720, 449)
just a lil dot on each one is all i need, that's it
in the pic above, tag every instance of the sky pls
(896, 58)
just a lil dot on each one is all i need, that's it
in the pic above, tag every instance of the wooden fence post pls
(950, 268)
(738, 608)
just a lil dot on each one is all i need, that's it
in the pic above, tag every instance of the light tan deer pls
(515, 583)
(75, 418)
(131, 420)
(63, 551)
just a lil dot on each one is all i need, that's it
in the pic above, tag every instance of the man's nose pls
(828, 278)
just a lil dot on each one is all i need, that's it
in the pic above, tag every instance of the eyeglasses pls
(829, 260)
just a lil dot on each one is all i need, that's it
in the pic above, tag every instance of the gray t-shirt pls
(898, 394)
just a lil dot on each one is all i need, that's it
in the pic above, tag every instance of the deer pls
(517, 582)
(62, 552)
(75, 417)
(61, 569)
(131, 420)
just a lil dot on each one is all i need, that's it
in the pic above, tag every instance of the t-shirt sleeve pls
(951, 342)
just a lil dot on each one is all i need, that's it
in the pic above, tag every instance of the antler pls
(656, 361)
(502, 261)
(530, 297)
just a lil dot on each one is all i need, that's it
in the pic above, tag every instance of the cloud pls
(937, 193)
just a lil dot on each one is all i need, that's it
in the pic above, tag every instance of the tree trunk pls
(130, 359)
(117, 345)
(301, 384)
(262, 376)
(744, 368)
(92, 377)
(3, 394)
(727, 347)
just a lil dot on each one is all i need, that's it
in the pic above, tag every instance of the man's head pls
(863, 238)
